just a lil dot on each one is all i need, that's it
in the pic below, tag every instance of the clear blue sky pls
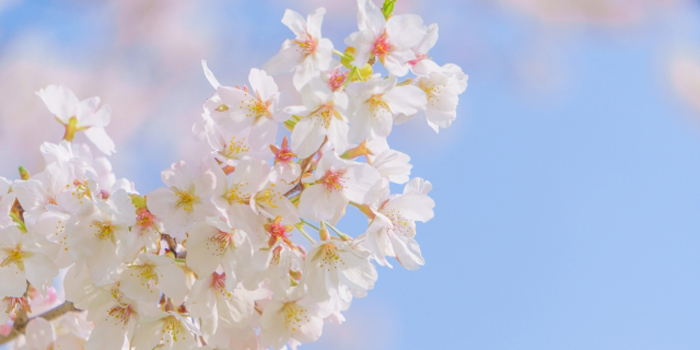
(567, 205)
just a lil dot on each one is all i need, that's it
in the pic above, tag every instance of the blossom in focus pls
(322, 116)
(215, 244)
(335, 183)
(185, 200)
(306, 55)
(99, 234)
(392, 231)
(377, 102)
(300, 320)
(442, 87)
(24, 257)
(213, 259)
(390, 41)
(75, 115)
(169, 329)
(333, 266)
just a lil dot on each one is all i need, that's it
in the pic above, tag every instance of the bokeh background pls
(568, 189)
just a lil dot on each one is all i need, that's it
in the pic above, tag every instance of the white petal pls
(99, 137)
(314, 22)
(60, 100)
(405, 31)
(307, 136)
(40, 271)
(210, 76)
(284, 61)
(294, 21)
(406, 99)
(39, 333)
(263, 84)
(370, 18)
(318, 204)
(13, 281)
(173, 281)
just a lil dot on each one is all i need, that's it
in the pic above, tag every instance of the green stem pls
(343, 55)
(71, 128)
(353, 73)
(337, 233)
(311, 225)
(306, 235)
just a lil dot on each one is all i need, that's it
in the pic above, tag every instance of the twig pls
(21, 320)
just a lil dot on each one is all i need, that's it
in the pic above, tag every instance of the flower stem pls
(343, 55)
(311, 225)
(337, 233)
(305, 234)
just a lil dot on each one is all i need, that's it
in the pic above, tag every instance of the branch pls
(21, 321)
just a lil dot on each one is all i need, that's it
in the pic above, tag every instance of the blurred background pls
(567, 190)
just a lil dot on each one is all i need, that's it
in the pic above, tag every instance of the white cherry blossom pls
(377, 102)
(308, 54)
(390, 41)
(215, 243)
(288, 320)
(23, 257)
(170, 330)
(214, 303)
(335, 183)
(185, 200)
(97, 235)
(41, 191)
(442, 87)
(216, 258)
(150, 275)
(78, 115)
(392, 231)
(285, 169)
(235, 195)
(334, 265)
(323, 115)
(257, 107)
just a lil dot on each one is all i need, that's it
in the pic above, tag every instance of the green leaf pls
(388, 8)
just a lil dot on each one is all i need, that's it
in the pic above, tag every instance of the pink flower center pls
(337, 79)
(285, 155)
(333, 180)
(218, 282)
(382, 46)
(144, 218)
(307, 44)
(121, 313)
(277, 231)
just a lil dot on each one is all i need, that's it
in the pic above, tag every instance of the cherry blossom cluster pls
(239, 250)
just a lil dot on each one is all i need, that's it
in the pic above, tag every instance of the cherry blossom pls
(24, 257)
(185, 200)
(393, 229)
(285, 320)
(323, 116)
(335, 183)
(238, 249)
(377, 102)
(308, 54)
(78, 115)
(333, 265)
(390, 41)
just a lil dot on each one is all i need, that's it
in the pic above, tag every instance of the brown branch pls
(172, 244)
(21, 320)
(306, 163)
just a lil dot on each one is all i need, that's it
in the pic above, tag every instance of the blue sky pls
(567, 204)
